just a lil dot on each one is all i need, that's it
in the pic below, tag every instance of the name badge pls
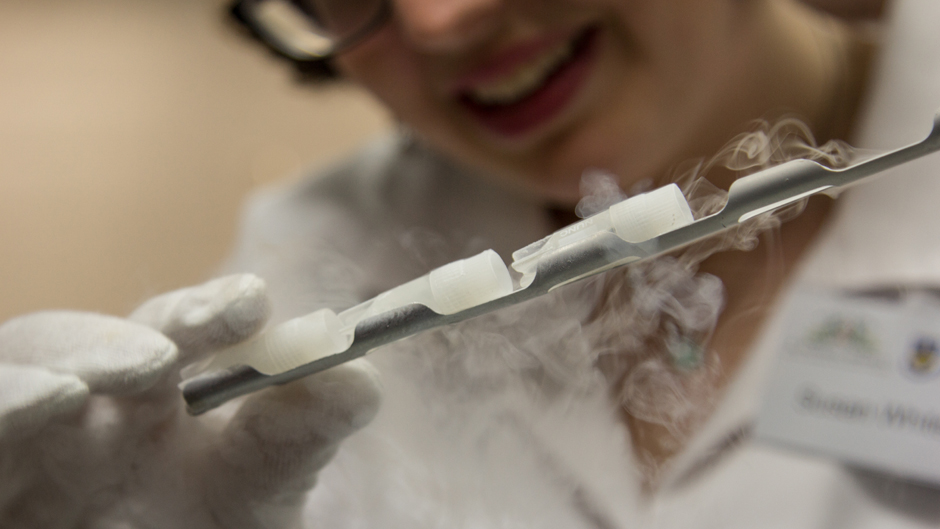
(858, 379)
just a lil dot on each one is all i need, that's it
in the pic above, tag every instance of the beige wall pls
(130, 132)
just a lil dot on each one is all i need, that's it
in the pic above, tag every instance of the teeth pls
(524, 81)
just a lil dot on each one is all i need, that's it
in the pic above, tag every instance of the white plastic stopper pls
(469, 282)
(650, 215)
(291, 344)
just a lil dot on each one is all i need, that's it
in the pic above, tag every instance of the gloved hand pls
(93, 431)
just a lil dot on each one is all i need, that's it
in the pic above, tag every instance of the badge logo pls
(842, 339)
(924, 358)
(844, 332)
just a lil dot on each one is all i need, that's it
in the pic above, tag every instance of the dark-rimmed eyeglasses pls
(312, 30)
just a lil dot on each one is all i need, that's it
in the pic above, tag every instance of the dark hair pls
(306, 71)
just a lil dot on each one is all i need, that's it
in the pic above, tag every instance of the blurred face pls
(537, 91)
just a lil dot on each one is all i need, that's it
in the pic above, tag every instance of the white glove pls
(93, 431)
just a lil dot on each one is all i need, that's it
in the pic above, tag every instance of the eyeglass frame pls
(241, 11)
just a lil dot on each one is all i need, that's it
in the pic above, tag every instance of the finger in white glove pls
(51, 363)
(30, 396)
(280, 438)
(110, 355)
(132, 457)
(210, 316)
(266, 457)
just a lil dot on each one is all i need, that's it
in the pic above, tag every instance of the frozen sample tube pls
(449, 289)
(288, 345)
(635, 219)
(452, 288)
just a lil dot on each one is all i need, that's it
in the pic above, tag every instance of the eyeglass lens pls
(340, 19)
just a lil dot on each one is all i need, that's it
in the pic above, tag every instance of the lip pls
(508, 60)
(560, 87)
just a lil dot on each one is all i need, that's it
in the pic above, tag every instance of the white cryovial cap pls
(291, 344)
(469, 282)
(650, 215)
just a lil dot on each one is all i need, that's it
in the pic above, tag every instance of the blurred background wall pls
(130, 133)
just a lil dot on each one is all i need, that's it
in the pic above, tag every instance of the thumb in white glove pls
(93, 432)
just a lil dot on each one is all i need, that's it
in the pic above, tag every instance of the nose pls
(447, 25)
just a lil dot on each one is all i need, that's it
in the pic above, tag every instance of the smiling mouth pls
(531, 94)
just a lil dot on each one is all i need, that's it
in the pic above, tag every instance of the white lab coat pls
(502, 422)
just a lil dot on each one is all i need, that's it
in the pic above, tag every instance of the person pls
(558, 413)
